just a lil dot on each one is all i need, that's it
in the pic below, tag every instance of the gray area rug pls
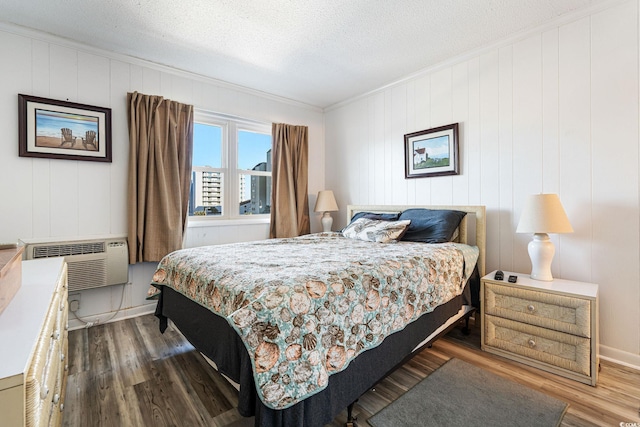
(461, 394)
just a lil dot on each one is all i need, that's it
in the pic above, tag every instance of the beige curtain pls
(289, 175)
(160, 150)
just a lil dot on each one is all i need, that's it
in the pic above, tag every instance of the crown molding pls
(64, 42)
(509, 40)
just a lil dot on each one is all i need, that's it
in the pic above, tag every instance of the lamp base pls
(327, 222)
(541, 252)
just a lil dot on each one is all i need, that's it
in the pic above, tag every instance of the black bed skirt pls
(215, 338)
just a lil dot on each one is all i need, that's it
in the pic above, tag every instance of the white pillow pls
(375, 230)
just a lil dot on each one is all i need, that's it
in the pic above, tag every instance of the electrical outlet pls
(74, 305)
(74, 302)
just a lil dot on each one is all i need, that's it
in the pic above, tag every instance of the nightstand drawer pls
(554, 348)
(557, 312)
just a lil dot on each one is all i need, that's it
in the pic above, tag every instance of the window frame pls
(230, 187)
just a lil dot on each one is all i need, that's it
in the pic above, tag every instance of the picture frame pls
(432, 152)
(54, 129)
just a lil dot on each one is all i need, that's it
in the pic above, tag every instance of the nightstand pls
(552, 326)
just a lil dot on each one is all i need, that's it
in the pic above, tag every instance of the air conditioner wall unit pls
(91, 263)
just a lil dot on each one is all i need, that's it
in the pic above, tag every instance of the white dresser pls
(550, 325)
(33, 333)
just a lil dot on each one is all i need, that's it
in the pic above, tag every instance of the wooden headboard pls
(469, 233)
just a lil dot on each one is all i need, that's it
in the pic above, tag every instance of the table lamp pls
(326, 203)
(542, 214)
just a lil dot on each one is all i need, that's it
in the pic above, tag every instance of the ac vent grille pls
(68, 249)
(87, 274)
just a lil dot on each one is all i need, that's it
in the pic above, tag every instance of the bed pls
(305, 326)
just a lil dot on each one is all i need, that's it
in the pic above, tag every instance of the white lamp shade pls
(326, 202)
(543, 213)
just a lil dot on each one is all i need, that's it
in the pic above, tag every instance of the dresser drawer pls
(44, 378)
(62, 284)
(58, 366)
(57, 396)
(41, 383)
(552, 347)
(557, 312)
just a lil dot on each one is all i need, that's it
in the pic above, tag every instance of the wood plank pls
(201, 380)
(132, 364)
(78, 352)
(223, 386)
(152, 406)
(575, 140)
(614, 115)
(527, 136)
(165, 399)
(181, 388)
(99, 360)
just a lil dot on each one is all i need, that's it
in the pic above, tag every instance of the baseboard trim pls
(620, 357)
(122, 315)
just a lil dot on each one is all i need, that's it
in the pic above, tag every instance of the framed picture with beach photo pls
(55, 129)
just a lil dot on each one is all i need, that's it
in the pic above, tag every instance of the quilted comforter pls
(306, 306)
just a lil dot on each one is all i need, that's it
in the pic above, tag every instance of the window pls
(254, 168)
(231, 175)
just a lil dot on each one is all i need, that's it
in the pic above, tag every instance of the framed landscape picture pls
(432, 152)
(63, 130)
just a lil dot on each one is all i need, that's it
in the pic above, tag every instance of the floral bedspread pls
(306, 306)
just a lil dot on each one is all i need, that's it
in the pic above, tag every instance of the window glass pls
(207, 145)
(255, 196)
(254, 151)
(207, 189)
(254, 160)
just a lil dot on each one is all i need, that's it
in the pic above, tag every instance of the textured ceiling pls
(319, 52)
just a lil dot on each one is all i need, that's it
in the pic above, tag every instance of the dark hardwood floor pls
(128, 374)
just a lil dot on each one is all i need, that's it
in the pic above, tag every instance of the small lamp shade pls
(542, 214)
(326, 203)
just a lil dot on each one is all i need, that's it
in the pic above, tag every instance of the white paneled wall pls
(554, 111)
(58, 198)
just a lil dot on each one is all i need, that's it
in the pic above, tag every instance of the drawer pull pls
(62, 357)
(43, 392)
(532, 343)
(531, 308)
(56, 399)
(61, 407)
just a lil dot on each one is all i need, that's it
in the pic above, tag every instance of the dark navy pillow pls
(378, 216)
(431, 226)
